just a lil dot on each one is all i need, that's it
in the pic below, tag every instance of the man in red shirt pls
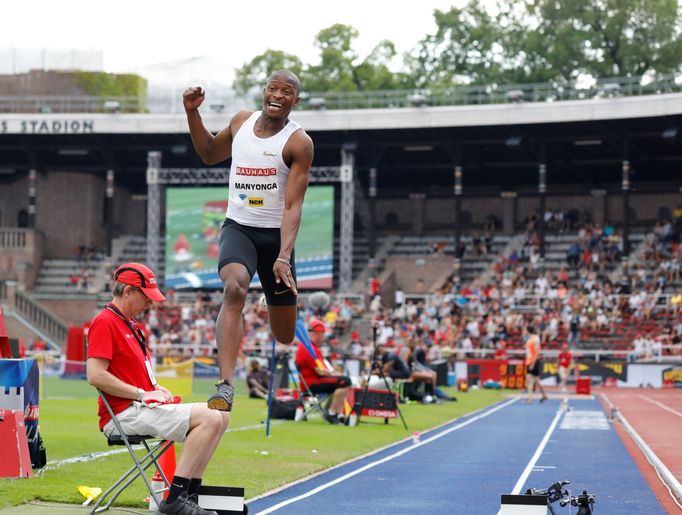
(119, 365)
(374, 286)
(501, 350)
(319, 377)
(564, 365)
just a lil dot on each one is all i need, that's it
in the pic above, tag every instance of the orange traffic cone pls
(167, 464)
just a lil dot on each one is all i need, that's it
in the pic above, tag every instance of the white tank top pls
(258, 176)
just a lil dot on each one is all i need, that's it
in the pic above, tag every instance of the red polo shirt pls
(110, 338)
(306, 365)
(565, 359)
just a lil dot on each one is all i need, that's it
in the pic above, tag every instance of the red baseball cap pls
(317, 326)
(137, 274)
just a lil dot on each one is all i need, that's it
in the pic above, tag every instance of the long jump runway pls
(464, 466)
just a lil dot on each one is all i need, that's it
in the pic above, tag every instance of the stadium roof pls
(500, 145)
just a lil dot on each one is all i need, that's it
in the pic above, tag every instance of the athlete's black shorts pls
(257, 249)
(536, 369)
(328, 384)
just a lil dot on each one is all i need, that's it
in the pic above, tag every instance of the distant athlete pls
(564, 365)
(533, 364)
(271, 160)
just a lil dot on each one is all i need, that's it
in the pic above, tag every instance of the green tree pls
(468, 46)
(607, 38)
(335, 72)
(373, 73)
(258, 69)
(339, 67)
(543, 40)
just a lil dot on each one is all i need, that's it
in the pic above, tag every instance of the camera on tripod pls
(553, 492)
(583, 501)
(557, 492)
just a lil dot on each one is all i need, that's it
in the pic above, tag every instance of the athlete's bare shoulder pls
(299, 148)
(238, 120)
(301, 140)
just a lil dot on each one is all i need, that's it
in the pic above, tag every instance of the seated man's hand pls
(153, 398)
(165, 391)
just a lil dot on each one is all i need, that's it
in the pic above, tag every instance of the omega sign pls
(68, 126)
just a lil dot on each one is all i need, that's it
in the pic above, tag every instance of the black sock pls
(178, 485)
(194, 485)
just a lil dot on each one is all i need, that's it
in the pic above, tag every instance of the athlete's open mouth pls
(274, 105)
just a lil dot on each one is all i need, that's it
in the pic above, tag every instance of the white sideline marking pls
(92, 456)
(526, 472)
(585, 419)
(667, 478)
(661, 405)
(384, 460)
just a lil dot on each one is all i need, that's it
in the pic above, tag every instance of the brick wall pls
(13, 198)
(40, 83)
(21, 255)
(69, 209)
(74, 311)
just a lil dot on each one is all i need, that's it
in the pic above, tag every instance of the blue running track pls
(464, 466)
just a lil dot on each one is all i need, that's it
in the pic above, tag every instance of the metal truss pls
(158, 178)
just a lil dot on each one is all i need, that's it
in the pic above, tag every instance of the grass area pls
(68, 423)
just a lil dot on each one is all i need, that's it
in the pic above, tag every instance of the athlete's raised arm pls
(211, 149)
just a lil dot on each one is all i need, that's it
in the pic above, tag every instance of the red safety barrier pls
(583, 385)
(16, 460)
(75, 351)
(5, 351)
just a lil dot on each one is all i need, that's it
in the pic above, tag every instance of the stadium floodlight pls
(515, 95)
(611, 89)
(73, 152)
(112, 106)
(513, 141)
(416, 99)
(317, 103)
(217, 107)
(418, 148)
(670, 133)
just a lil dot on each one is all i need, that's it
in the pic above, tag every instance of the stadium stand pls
(512, 265)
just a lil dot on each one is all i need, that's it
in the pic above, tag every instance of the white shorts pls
(563, 373)
(168, 421)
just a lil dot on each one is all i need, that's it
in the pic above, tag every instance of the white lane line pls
(536, 455)
(92, 456)
(384, 460)
(661, 405)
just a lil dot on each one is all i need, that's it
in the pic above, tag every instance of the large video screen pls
(194, 217)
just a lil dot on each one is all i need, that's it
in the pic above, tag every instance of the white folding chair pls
(311, 401)
(141, 464)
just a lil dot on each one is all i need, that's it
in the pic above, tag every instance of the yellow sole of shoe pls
(219, 404)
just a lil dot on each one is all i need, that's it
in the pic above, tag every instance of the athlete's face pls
(280, 96)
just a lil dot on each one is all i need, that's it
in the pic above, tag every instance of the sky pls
(137, 33)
